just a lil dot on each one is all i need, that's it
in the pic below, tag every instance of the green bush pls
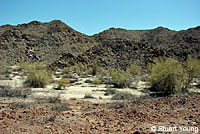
(171, 77)
(67, 70)
(77, 70)
(4, 68)
(166, 76)
(62, 83)
(120, 78)
(37, 75)
(134, 69)
(192, 70)
(96, 81)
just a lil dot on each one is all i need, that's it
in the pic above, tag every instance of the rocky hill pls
(142, 46)
(38, 41)
(60, 45)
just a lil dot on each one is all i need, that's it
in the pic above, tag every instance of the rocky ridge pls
(59, 45)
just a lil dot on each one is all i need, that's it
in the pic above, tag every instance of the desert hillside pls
(59, 45)
(67, 82)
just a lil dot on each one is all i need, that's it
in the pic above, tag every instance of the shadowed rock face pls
(60, 45)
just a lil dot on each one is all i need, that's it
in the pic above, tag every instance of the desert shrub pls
(134, 69)
(49, 99)
(83, 67)
(7, 91)
(24, 65)
(62, 83)
(89, 96)
(28, 66)
(119, 105)
(59, 107)
(20, 105)
(77, 70)
(166, 76)
(123, 96)
(37, 75)
(2, 63)
(110, 91)
(4, 68)
(192, 70)
(67, 70)
(171, 77)
(47, 119)
(38, 78)
(96, 69)
(120, 78)
(96, 81)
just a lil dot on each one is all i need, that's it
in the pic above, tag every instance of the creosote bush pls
(67, 70)
(171, 77)
(96, 81)
(18, 92)
(123, 96)
(62, 83)
(4, 68)
(37, 75)
(134, 69)
(120, 78)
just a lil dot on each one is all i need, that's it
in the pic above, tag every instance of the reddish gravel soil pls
(98, 118)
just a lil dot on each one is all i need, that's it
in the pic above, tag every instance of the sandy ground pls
(77, 90)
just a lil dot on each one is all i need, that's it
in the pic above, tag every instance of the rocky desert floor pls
(47, 110)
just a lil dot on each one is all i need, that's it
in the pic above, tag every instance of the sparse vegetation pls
(7, 91)
(134, 69)
(47, 119)
(59, 107)
(191, 70)
(49, 99)
(123, 96)
(171, 77)
(20, 105)
(4, 68)
(89, 96)
(62, 83)
(67, 70)
(119, 105)
(110, 91)
(77, 69)
(166, 76)
(120, 78)
(37, 75)
(96, 81)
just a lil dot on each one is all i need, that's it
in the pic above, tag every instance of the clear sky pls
(93, 16)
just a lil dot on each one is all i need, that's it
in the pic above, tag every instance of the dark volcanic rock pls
(59, 45)
(41, 41)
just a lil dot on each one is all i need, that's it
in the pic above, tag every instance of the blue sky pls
(93, 16)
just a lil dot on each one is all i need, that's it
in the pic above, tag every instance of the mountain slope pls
(59, 45)
(123, 47)
(41, 41)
